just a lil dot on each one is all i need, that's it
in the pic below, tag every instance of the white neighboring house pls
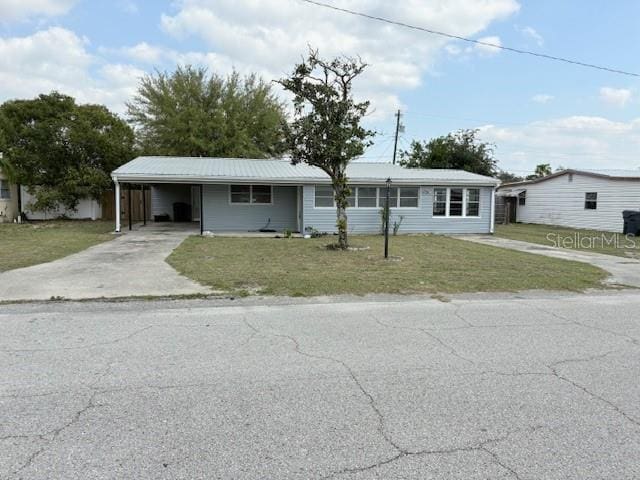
(87, 209)
(575, 198)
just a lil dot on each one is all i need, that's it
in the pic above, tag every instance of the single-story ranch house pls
(573, 198)
(240, 195)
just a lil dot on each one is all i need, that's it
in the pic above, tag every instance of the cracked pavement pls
(524, 387)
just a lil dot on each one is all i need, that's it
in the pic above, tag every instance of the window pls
(473, 202)
(393, 197)
(324, 196)
(367, 197)
(260, 194)
(455, 202)
(591, 201)
(439, 202)
(522, 198)
(5, 190)
(409, 197)
(250, 194)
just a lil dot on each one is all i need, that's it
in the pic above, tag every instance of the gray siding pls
(220, 216)
(558, 201)
(416, 220)
(164, 196)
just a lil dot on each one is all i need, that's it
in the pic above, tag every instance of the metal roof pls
(225, 170)
(606, 174)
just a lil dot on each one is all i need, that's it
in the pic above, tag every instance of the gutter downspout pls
(493, 211)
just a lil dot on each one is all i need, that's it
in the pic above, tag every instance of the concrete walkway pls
(130, 265)
(624, 271)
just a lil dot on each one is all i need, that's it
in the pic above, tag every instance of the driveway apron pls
(623, 271)
(131, 265)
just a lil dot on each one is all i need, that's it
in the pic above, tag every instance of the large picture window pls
(456, 202)
(473, 202)
(250, 194)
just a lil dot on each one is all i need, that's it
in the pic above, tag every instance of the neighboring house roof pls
(607, 174)
(225, 170)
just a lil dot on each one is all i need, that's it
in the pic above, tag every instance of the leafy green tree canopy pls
(63, 152)
(191, 113)
(542, 170)
(508, 177)
(460, 150)
(325, 130)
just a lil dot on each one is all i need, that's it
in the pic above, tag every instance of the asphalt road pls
(539, 387)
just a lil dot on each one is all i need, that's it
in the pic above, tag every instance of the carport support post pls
(129, 201)
(117, 206)
(144, 206)
(201, 210)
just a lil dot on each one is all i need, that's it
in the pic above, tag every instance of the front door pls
(195, 203)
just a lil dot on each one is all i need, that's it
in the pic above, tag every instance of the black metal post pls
(387, 208)
(144, 205)
(201, 210)
(129, 201)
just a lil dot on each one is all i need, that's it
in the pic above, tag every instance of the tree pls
(460, 150)
(508, 177)
(325, 131)
(6, 167)
(63, 152)
(191, 113)
(542, 170)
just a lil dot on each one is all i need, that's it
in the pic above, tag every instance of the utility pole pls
(395, 143)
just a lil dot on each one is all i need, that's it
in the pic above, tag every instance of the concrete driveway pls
(131, 264)
(624, 271)
(538, 387)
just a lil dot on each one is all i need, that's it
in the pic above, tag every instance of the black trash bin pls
(181, 212)
(631, 220)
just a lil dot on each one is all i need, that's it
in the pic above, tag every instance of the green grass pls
(38, 242)
(426, 264)
(576, 239)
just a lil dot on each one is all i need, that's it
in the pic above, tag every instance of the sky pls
(533, 110)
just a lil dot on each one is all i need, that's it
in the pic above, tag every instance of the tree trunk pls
(342, 228)
(341, 192)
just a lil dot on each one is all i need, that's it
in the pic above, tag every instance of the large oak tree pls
(189, 112)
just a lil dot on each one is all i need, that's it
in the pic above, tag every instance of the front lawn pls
(38, 242)
(424, 264)
(577, 239)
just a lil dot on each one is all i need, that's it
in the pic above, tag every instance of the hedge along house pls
(248, 195)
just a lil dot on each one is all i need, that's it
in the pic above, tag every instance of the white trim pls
(117, 207)
(379, 189)
(464, 202)
(250, 202)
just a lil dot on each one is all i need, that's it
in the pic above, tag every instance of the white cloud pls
(143, 52)
(542, 98)
(57, 59)
(530, 32)
(575, 141)
(265, 37)
(21, 9)
(617, 97)
(489, 49)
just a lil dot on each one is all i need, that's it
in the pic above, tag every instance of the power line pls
(470, 40)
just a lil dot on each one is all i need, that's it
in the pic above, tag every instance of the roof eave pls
(193, 179)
